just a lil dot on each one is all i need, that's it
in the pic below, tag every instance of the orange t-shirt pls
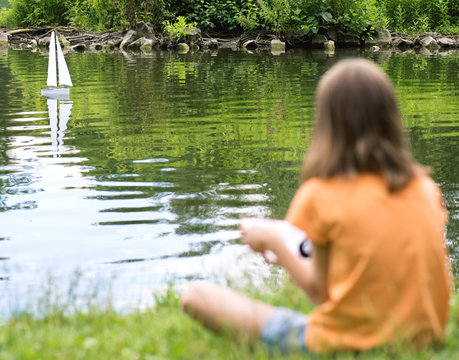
(388, 274)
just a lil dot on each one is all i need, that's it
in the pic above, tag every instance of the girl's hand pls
(261, 235)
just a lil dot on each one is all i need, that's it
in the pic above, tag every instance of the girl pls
(379, 272)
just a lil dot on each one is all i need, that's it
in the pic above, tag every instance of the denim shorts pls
(285, 330)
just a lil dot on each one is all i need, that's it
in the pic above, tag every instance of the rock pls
(331, 34)
(64, 42)
(348, 40)
(44, 42)
(319, 40)
(145, 30)
(146, 44)
(375, 48)
(182, 48)
(79, 47)
(380, 38)
(4, 38)
(116, 42)
(429, 43)
(233, 45)
(446, 42)
(109, 45)
(210, 43)
(139, 43)
(277, 45)
(33, 43)
(128, 39)
(402, 43)
(329, 46)
(249, 45)
(193, 36)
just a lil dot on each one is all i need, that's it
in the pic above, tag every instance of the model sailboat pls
(57, 64)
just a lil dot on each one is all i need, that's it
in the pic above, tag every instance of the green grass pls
(164, 332)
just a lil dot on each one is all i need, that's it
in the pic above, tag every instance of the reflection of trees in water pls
(10, 182)
(223, 136)
(4, 100)
(426, 88)
(186, 115)
(433, 148)
(19, 96)
(238, 120)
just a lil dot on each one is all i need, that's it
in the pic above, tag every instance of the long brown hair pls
(358, 127)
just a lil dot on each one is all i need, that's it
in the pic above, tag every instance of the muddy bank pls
(144, 39)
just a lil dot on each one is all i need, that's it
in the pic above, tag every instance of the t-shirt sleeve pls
(304, 212)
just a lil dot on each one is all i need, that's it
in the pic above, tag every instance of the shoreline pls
(144, 39)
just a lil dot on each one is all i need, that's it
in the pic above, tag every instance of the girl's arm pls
(311, 276)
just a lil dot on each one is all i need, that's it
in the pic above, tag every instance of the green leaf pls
(326, 16)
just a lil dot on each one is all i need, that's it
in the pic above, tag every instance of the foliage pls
(281, 16)
(123, 14)
(35, 12)
(311, 16)
(179, 29)
(93, 14)
(131, 12)
(249, 17)
(217, 15)
(421, 15)
(278, 14)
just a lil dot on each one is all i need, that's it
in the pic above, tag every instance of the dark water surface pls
(141, 177)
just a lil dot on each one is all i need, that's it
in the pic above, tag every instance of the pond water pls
(140, 177)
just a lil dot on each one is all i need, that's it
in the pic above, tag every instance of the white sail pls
(64, 75)
(52, 74)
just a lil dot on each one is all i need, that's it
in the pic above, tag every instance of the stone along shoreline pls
(144, 39)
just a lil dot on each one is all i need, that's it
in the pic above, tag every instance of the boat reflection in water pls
(59, 114)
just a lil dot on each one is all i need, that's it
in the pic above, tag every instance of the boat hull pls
(56, 93)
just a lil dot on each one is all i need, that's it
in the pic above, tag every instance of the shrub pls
(130, 12)
(309, 16)
(358, 17)
(421, 15)
(217, 15)
(179, 29)
(93, 14)
(35, 12)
